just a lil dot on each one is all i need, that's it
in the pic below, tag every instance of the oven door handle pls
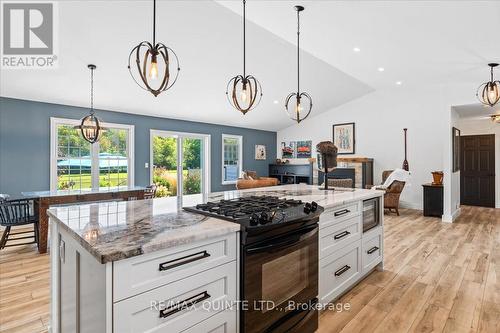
(288, 241)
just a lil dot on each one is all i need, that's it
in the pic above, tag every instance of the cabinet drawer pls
(142, 313)
(222, 322)
(372, 250)
(337, 236)
(339, 271)
(338, 214)
(142, 273)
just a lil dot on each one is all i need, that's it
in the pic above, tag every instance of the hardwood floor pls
(438, 277)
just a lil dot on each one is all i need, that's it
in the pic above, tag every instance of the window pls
(78, 165)
(232, 158)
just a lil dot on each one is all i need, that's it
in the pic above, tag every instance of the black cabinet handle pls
(188, 302)
(183, 261)
(373, 249)
(342, 270)
(342, 212)
(341, 235)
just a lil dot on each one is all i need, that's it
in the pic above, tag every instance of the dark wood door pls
(477, 170)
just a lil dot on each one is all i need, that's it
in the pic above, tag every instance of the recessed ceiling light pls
(356, 49)
(381, 69)
(399, 83)
(276, 102)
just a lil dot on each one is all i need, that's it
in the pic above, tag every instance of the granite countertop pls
(117, 230)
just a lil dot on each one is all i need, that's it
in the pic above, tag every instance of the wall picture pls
(260, 152)
(288, 149)
(344, 138)
(304, 149)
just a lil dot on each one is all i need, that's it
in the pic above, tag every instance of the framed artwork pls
(260, 152)
(455, 139)
(344, 138)
(288, 149)
(304, 149)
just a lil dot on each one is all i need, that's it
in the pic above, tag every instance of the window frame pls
(240, 157)
(94, 151)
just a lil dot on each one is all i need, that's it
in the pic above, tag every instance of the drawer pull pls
(341, 235)
(342, 270)
(342, 212)
(373, 249)
(183, 261)
(188, 302)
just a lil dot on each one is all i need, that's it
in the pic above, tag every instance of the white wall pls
(468, 126)
(380, 118)
(454, 196)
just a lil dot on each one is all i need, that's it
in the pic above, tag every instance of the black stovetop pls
(259, 212)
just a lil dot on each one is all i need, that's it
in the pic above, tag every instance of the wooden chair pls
(16, 213)
(150, 192)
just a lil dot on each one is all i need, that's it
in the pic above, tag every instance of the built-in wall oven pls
(371, 214)
(280, 283)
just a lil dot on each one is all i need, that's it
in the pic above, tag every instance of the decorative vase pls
(437, 176)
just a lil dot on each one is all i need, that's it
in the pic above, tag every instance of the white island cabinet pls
(141, 266)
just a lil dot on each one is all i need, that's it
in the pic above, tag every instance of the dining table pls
(44, 199)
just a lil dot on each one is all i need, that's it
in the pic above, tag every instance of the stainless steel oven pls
(371, 214)
(279, 272)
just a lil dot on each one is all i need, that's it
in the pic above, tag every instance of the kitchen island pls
(114, 262)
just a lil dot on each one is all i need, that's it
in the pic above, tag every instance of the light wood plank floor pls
(438, 277)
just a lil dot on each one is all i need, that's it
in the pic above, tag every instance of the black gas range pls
(279, 260)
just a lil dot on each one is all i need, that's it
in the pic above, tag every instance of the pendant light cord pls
(491, 73)
(91, 91)
(154, 23)
(244, 38)
(298, 53)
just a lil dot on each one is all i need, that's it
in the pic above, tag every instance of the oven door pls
(276, 272)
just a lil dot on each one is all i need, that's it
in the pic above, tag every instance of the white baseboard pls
(410, 205)
(449, 218)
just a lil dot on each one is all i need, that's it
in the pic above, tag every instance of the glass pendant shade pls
(153, 66)
(90, 126)
(298, 105)
(489, 92)
(244, 92)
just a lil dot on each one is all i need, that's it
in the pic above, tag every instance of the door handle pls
(373, 249)
(187, 303)
(342, 270)
(341, 235)
(183, 261)
(342, 212)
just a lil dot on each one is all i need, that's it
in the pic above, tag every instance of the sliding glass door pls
(179, 163)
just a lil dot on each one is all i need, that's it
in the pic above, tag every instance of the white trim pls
(450, 218)
(206, 139)
(94, 150)
(240, 157)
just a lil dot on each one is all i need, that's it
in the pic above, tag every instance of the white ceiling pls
(417, 42)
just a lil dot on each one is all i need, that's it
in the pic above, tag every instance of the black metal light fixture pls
(301, 103)
(153, 61)
(90, 125)
(489, 92)
(244, 92)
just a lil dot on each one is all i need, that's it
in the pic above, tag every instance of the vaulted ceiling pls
(416, 42)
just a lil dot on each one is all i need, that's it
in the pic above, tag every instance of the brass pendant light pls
(244, 92)
(153, 64)
(90, 125)
(301, 103)
(489, 92)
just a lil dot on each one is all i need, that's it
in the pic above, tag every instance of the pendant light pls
(153, 64)
(244, 92)
(489, 92)
(298, 104)
(90, 125)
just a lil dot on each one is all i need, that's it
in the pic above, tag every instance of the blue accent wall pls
(25, 143)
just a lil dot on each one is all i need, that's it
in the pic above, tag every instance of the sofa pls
(250, 179)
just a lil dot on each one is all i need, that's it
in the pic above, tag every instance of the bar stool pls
(16, 213)
(150, 192)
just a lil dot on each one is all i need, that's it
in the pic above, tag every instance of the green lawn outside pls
(86, 182)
